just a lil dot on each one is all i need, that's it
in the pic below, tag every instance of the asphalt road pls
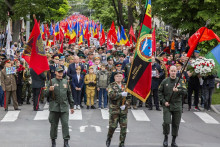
(88, 128)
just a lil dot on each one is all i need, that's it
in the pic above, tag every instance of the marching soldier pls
(54, 66)
(119, 100)
(171, 106)
(58, 106)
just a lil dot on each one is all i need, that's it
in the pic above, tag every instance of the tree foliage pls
(189, 16)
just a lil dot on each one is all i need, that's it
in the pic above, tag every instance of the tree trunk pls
(15, 30)
(130, 17)
(120, 14)
(116, 11)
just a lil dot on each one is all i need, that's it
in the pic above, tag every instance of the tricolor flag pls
(81, 37)
(139, 80)
(124, 39)
(215, 55)
(57, 28)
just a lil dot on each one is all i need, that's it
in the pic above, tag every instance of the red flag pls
(102, 39)
(131, 33)
(112, 33)
(203, 34)
(61, 48)
(167, 50)
(34, 52)
(109, 44)
(131, 42)
(61, 37)
(154, 41)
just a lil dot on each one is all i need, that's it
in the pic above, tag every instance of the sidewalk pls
(216, 108)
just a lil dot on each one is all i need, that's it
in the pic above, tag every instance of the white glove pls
(122, 107)
(124, 94)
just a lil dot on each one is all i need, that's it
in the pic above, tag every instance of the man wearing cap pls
(90, 81)
(60, 99)
(53, 66)
(38, 82)
(8, 83)
(118, 67)
(172, 107)
(119, 100)
(110, 66)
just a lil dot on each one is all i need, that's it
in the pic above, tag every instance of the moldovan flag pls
(34, 52)
(215, 55)
(139, 80)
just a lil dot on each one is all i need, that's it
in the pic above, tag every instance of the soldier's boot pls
(165, 142)
(66, 143)
(173, 144)
(108, 142)
(53, 143)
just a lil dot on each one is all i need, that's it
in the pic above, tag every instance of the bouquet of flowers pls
(202, 67)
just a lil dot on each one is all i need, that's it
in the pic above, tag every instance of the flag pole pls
(188, 61)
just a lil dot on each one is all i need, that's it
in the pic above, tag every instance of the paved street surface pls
(88, 128)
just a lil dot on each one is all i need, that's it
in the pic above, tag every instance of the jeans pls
(208, 97)
(1, 96)
(103, 92)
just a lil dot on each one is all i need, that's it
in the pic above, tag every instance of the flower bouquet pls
(202, 67)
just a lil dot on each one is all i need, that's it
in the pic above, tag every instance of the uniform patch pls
(56, 85)
(166, 84)
(64, 85)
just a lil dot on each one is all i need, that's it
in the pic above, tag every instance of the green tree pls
(189, 16)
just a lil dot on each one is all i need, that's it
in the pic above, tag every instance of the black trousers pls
(19, 94)
(154, 93)
(196, 95)
(36, 97)
(77, 97)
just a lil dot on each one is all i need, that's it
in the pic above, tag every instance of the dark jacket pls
(75, 82)
(185, 75)
(38, 81)
(209, 81)
(125, 62)
(72, 69)
(156, 81)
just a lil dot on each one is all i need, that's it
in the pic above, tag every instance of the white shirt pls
(78, 77)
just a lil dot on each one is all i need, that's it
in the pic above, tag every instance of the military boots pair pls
(165, 142)
(65, 143)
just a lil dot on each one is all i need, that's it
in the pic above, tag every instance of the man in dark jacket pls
(157, 73)
(38, 82)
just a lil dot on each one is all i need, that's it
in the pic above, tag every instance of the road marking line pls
(77, 115)
(11, 116)
(182, 121)
(42, 115)
(46, 106)
(140, 115)
(97, 128)
(105, 114)
(83, 128)
(206, 118)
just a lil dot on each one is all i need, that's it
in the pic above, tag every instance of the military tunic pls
(59, 106)
(175, 108)
(116, 114)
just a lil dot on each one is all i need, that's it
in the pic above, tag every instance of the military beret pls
(82, 56)
(196, 51)
(109, 58)
(62, 57)
(122, 54)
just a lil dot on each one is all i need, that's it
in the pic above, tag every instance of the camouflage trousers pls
(26, 91)
(114, 119)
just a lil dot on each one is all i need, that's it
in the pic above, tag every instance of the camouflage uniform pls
(116, 114)
(26, 90)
